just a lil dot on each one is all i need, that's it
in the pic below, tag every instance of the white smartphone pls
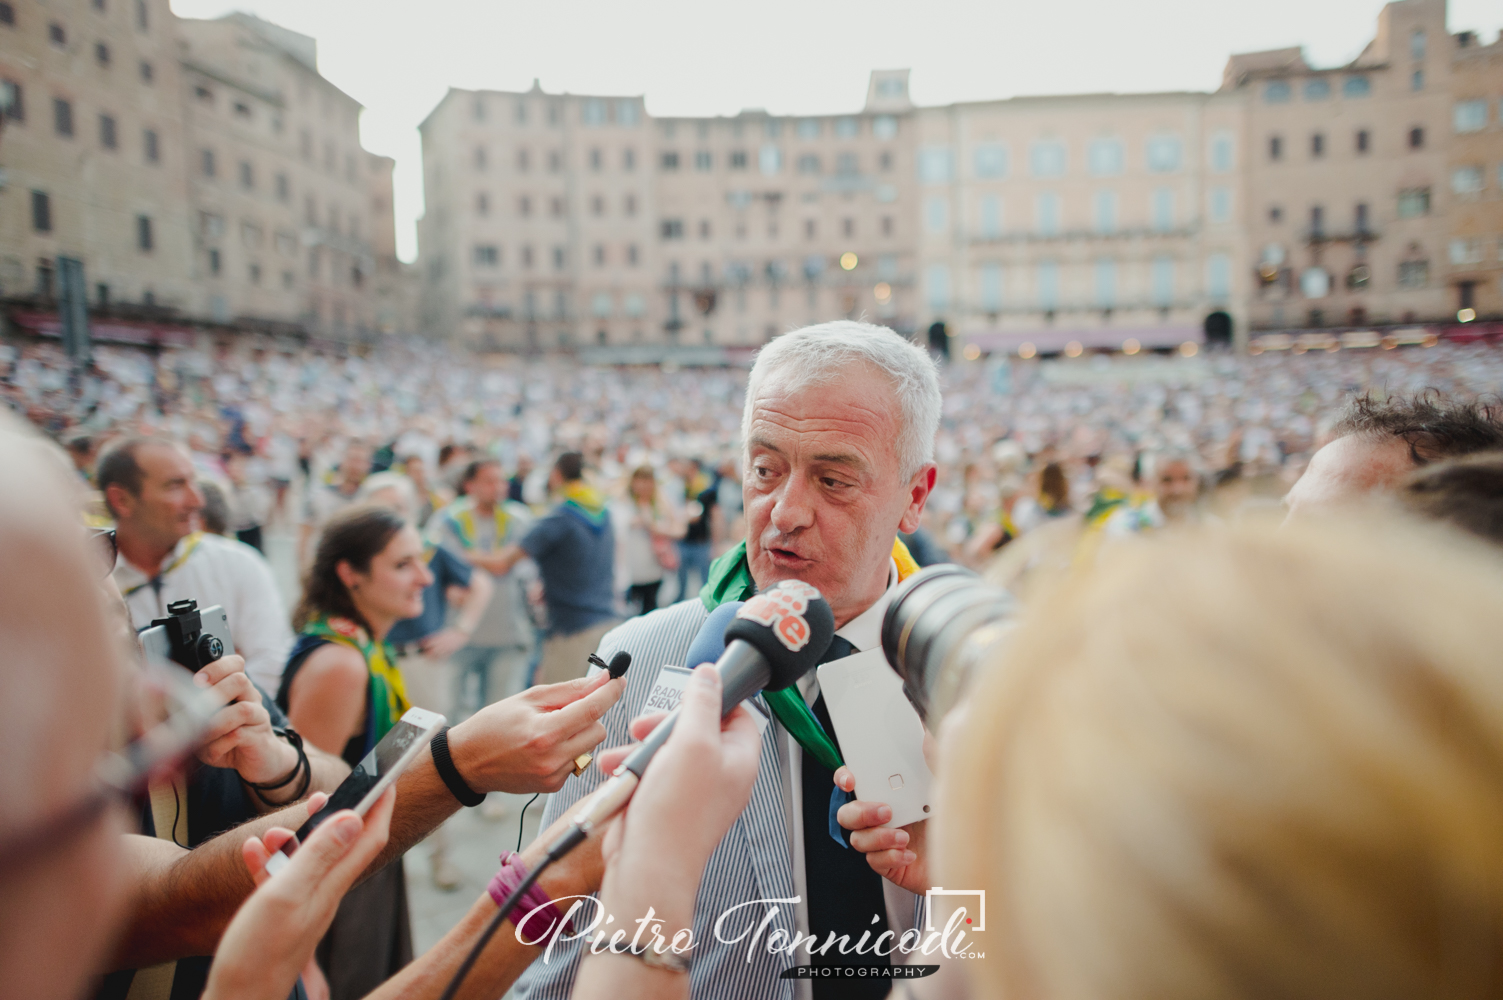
(371, 777)
(881, 736)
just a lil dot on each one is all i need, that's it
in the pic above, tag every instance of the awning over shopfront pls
(107, 331)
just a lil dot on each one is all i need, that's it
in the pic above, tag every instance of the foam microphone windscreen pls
(710, 642)
(790, 625)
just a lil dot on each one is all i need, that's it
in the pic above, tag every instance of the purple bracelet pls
(544, 914)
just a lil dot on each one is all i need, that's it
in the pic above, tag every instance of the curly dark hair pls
(1464, 492)
(1434, 426)
(355, 535)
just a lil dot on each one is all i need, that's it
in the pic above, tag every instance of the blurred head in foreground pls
(1243, 764)
(1466, 493)
(1378, 442)
(58, 679)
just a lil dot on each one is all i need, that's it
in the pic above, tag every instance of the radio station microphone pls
(769, 642)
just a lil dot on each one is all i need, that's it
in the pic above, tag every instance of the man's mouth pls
(787, 557)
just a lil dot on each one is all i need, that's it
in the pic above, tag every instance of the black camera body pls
(189, 636)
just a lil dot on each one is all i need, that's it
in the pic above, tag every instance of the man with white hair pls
(838, 437)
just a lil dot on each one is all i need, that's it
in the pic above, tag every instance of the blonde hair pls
(1243, 763)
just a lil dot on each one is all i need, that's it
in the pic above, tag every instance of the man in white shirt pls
(148, 484)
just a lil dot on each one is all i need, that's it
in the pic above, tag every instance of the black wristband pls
(444, 765)
(303, 767)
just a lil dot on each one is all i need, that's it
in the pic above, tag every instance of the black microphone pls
(771, 641)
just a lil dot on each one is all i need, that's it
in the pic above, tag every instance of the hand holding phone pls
(372, 776)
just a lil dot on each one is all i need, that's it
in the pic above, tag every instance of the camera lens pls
(210, 648)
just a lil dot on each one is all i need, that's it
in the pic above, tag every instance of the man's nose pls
(793, 508)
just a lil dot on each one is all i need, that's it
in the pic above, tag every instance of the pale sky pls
(701, 57)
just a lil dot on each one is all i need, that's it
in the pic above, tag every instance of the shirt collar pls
(865, 630)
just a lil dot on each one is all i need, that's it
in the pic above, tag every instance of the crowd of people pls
(1263, 731)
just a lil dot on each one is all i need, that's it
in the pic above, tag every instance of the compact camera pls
(189, 636)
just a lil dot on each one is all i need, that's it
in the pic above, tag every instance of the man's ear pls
(919, 489)
(118, 499)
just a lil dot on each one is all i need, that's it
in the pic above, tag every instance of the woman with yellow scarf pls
(342, 691)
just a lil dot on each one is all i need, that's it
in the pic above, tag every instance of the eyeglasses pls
(109, 547)
(124, 774)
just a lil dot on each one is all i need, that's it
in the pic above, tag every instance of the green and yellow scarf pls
(388, 692)
(586, 500)
(730, 579)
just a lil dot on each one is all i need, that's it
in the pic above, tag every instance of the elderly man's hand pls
(240, 737)
(896, 853)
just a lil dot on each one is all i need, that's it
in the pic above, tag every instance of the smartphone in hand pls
(371, 777)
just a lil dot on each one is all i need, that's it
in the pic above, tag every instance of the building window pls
(1417, 45)
(1162, 280)
(808, 128)
(991, 218)
(524, 161)
(527, 256)
(628, 160)
(1364, 141)
(595, 159)
(937, 215)
(247, 176)
(1105, 157)
(703, 160)
(935, 165)
(704, 229)
(284, 188)
(737, 159)
(480, 158)
(152, 146)
(847, 128)
(1164, 154)
(101, 53)
(1163, 210)
(1417, 138)
(939, 287)
(1047, 158)
(41, 212)
(1046, 214)
(207, 162)
(1220, 204)
(141, 15)
(1106, 283)
(669, 160)
(599, 255)
(628, 113)
(7, 14)
(884, 161)
(886, 225)
(558, 258)
(1218, 275)
(1275, 147)
(1466, 251)
(885, 127)
(524, 206)
(1359, 218)
(1467, 181)
(592, 112)
(1417, 80)
(770, 160)
(108, 134)
(1414, 273)
(62, 116)
(56, 33)
(808, 164)
(255, 274)
(1414, 202)
(556, 207)
(991, 287)
(673, 229)
(1275, 214)
(214, 262)
(1317, 89)
(630, 205)
(809, 229)
(148, 74)
(1356, 86)
(631, 255)
(12, 101)
(1470, 116)
(991, 160)
(1106, 211)
(1048, 284)
(555, 161)
(144, 240)
(846, 165)
(1317, 221)
(487, 255)
(1221, 153)
(1317, 145)
(1276, 92)
(601, 305)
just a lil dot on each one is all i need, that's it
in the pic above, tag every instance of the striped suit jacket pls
(752, 863)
